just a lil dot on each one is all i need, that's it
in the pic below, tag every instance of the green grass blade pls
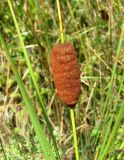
(109, 124)
(45, 146)
(103, 152)
(114, 131)
(108, 98)
(110, 90)
(34, 81)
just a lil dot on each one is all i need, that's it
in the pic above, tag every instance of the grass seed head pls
(66, 73)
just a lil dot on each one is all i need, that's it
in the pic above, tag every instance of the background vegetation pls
(96, 30)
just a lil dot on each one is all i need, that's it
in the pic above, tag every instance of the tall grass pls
(96, 30)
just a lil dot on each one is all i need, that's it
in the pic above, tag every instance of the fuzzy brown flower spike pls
(66, 73)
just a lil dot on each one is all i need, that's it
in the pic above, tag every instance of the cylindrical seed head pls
(66, 73)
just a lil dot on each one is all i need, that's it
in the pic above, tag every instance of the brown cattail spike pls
(66, 73)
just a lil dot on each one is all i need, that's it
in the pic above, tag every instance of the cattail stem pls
(71, 109)
(74, 133)
(60, 21)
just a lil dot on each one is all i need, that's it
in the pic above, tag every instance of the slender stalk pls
(71, 110)
(74, 133)
(60, 22)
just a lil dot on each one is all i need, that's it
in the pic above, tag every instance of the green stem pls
(60, 22)
(74, 133)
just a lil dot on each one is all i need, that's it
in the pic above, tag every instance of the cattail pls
(66, 73)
